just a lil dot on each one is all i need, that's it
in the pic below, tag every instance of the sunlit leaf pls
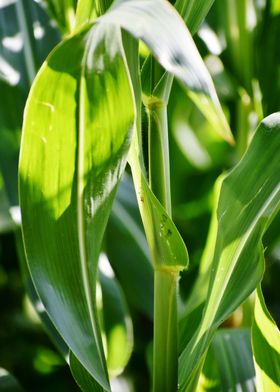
(266, 347)
(73, 153)
(164, 32)
(249, 196)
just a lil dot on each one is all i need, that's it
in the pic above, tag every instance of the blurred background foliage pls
(239, 43)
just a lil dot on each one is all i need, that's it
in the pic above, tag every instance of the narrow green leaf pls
(82, 377)
(229, 363)
(193, 12)
(193, 308)
(249, 196)
(74, 146)
(165, 242)
(86, 12)
(159, 25)
(266, 347)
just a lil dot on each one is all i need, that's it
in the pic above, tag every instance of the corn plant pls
(96, 121)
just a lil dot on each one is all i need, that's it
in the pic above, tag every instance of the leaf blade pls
(164, 32)
(266, 347)
(61, 182)
(250, 195)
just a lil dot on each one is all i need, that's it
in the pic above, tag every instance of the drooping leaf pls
(75, 140)
(266, 347)
(229, 363)
(249, 197)
(158, 24)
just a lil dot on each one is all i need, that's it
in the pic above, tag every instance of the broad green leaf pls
(266, 347)
(229, 363)
(8, 382)
(74, 146)
(249, 197)
(193, 12)
(159, 25)
(35, 300)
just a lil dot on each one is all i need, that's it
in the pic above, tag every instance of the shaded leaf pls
(116, 319)
(63, 12)
(8, 382)
(82, 377)
(229, 363)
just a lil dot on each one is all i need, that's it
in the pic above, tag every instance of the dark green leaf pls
(229, 363)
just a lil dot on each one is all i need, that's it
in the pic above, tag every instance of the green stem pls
(165, 361)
